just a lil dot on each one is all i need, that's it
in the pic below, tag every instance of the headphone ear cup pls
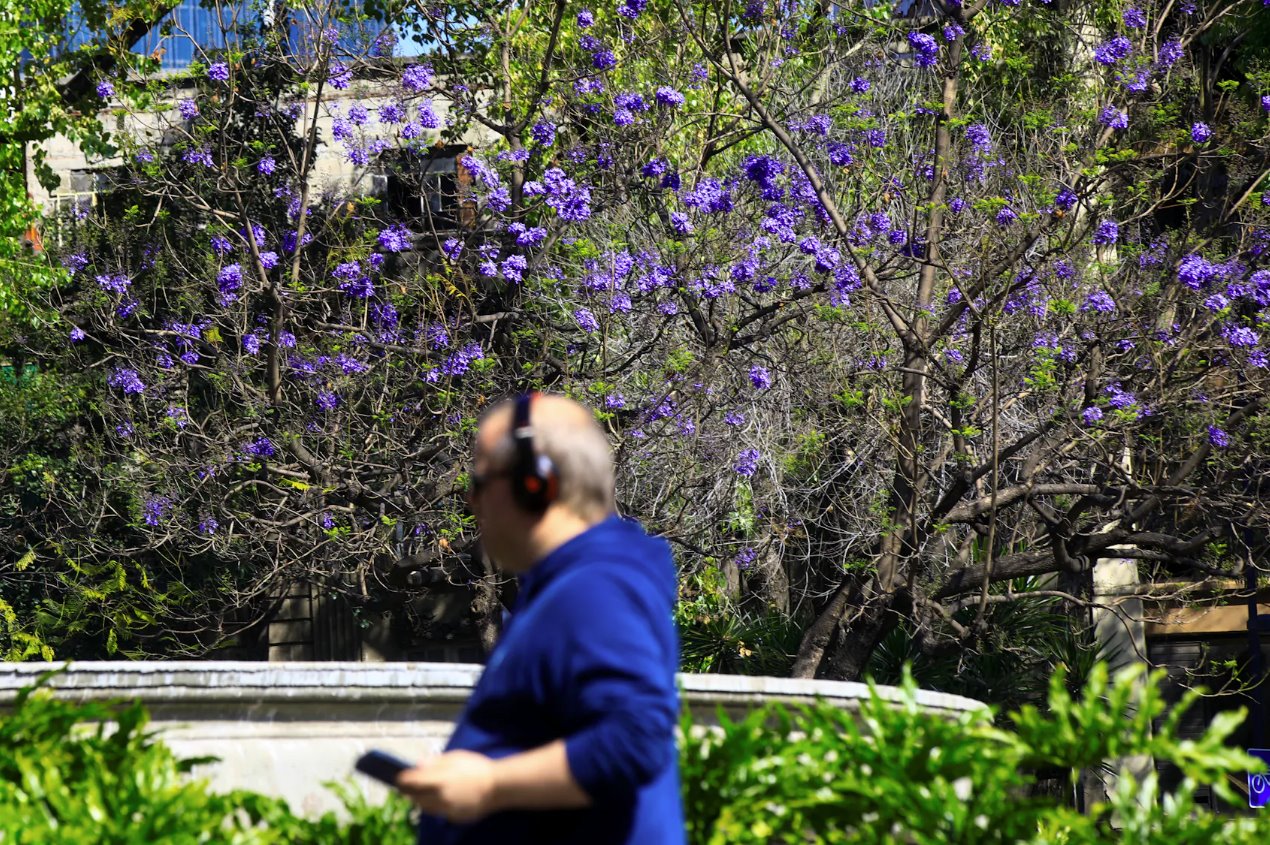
(550, 483)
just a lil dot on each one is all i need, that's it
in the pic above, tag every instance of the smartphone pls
(382, 766)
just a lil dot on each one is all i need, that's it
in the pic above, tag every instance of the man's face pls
(504, 526)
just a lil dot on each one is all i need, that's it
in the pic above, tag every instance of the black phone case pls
(382, 766)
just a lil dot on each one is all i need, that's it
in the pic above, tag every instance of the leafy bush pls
(91, 773)
(891, 773)
(894, 773)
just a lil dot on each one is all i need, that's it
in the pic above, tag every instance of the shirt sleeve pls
(619, 685)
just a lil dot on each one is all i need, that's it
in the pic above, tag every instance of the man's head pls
(515, 534)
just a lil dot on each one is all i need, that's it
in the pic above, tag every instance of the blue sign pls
(1259, 785)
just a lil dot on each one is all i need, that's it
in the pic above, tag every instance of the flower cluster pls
(925, 49)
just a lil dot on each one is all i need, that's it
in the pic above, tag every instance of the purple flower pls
(77, 334)
(229, 280)
(654, 168)
(326, 400)
(261, 447)
(1216, 302)
(339, 77)
(416, 78)
(219, 72)
(760, 377)
(105, 89)
(221, 245)
(544, 133)
(208, 525)
(1170, 52)
(396, 238)
(586, 19)
(630, 101)
(631, 8)
(437, 336)
(746, 462)
(1114, 118)
(155, 509)
(680, 223)
(586, 320)
(1113, 51)
(709, 196)
(1119, 399)
(1196, 272)
(925, 49)
(514, 267)
(604, 60)
(1006, 217)
(391, 113)
(1107, 233)
(734, 418)
(1218, 438)
(570, 200)
(1265, 102)
(860, 85)
(744, 559)
(1200, 133)
(1099, 301)
(198, 156)
(126, 380)
(452, 247)
(668, 97)
(353, 281)
(268, 260)
(481, 171)
(1133, 18)
(266, 166)
(1091, 415)
(125, 429)
(979, 137)
(116, 283)
(187, 108)
(1240, 336)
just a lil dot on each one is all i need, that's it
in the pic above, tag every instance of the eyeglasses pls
(477, 481)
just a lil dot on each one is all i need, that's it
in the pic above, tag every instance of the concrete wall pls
(331, 169)
(284, 728)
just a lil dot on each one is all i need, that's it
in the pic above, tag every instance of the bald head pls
(566, 432)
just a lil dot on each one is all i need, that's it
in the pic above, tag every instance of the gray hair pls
(580, 452)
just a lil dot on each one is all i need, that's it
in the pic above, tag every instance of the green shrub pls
(91, 774)
(894, 773)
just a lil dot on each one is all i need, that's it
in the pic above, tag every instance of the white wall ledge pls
(161, 682)
(285, 728)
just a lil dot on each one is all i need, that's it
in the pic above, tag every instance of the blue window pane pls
(194, 31)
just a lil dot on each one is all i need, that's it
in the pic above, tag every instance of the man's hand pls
(463, 786)
(459, 786)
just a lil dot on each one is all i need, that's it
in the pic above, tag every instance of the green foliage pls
(1008, 665)
(91, 773)
(718, 636)
(894, 772)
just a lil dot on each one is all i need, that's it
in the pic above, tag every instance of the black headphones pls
(535, 484)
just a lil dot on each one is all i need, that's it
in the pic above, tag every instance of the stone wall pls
(284, 728)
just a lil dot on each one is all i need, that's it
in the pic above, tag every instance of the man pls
(569, 735)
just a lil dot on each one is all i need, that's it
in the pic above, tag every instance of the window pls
(428, 189)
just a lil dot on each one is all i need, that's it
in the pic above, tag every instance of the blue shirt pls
(589, 655)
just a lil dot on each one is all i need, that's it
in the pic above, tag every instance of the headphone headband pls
(534, 481)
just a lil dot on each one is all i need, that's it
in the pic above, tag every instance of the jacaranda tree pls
(886, 308)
